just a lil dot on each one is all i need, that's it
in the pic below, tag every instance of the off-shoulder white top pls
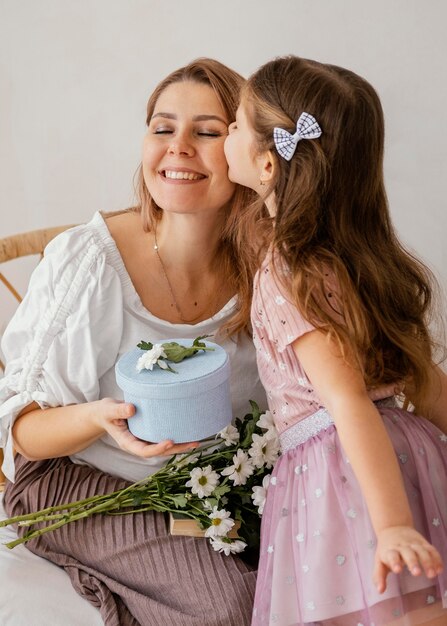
(81, 312)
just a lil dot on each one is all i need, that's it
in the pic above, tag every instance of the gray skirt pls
(130, 566)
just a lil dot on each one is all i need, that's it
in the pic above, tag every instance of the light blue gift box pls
(190, 405)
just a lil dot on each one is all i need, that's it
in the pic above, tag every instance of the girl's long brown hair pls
(236, 255)
(333, 220)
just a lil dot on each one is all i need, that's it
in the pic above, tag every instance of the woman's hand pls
(112, 415)
(400, 546)
(65, 430)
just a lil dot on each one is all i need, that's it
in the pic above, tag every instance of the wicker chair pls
(13, 247)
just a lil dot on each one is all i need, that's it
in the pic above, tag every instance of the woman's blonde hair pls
(236, 255)
(333, 220)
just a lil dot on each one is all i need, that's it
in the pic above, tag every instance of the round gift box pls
(191, 404)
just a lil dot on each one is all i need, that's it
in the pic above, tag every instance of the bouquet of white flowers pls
(223, 482)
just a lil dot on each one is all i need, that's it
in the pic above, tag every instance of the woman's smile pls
(181, 175)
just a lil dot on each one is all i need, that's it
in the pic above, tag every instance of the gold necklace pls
(171, 291)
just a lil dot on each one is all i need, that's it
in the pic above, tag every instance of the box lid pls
(200, 373)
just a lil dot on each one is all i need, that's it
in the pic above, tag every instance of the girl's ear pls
(267, 164)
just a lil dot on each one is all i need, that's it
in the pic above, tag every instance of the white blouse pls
(80, 314)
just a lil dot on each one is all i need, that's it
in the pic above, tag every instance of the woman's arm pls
(61, 431)
(342, 390)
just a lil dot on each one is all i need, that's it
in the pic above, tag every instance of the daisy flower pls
(203, 481)
(221, 523)
(241, 469)
(182, 460)
(266, 421)
(259, 493)
(228, 547)
(230, 435)
(264, 450)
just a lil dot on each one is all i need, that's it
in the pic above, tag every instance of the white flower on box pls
(259, 494)
(203, 481)
(228, 547)
(152, 357)
(221, 523)
(229, 434)
(241, 469)
(266, 421)
(265, 449)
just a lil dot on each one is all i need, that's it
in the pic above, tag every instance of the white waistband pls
(313, 424)
(305, 429)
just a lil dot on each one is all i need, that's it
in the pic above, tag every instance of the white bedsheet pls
(34, 592)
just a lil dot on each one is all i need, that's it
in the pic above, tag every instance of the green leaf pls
(255, 410)
(212, 501)
(168, 368)
(248, 430)
(176, 352)
(198, 341)
(179, 501)
(138, 499)
(145, 345)
(221, 490)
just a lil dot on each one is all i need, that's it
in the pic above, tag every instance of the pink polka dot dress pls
(317, 541)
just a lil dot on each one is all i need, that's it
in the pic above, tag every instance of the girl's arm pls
(342, 390)
(61, 431)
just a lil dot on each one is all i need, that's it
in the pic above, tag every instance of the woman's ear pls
(268, 167)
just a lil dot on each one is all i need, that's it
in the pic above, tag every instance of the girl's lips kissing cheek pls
(184, 175)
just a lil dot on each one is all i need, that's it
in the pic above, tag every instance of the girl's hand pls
(112, 415)
(400, 546)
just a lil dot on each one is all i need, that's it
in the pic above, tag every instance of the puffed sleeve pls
(65, 334)
(280, 317)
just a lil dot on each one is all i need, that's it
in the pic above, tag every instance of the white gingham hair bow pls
(307, 127)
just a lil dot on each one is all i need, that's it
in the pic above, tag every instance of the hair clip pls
(307, 127)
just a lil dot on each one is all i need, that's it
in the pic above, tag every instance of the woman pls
(172, 267)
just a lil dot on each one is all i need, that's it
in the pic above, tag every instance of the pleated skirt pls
(130, 566)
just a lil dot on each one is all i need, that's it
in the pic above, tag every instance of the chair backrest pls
(13, 247)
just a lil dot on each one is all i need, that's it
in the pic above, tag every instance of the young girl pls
(354, 527)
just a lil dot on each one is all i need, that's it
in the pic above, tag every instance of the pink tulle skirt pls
(317, 541)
